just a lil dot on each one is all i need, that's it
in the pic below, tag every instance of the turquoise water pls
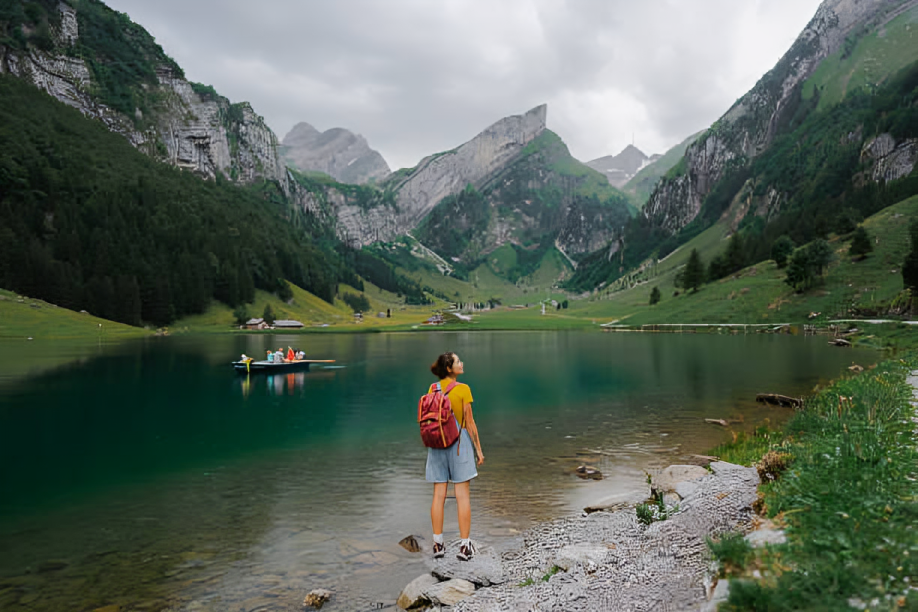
(149, 475)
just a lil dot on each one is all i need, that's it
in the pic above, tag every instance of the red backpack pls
(435, 416)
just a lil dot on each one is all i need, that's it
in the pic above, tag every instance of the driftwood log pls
(839, 342)
(779, 400)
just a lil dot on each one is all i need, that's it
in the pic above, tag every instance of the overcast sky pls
(419, 76)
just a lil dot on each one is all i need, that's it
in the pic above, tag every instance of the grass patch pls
(867, 62)
(848, 500)
(654, 510)
(24, 317)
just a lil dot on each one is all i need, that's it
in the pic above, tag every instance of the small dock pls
(694, 328)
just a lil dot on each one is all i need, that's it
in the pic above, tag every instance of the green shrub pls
(732, 552)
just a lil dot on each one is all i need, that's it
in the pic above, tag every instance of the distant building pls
(256, 324)
(288, 324)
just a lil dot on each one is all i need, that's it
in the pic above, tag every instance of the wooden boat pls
(271, 367)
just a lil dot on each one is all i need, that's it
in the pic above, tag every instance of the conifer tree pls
(693, 274)
(655, 296)
(860, 243)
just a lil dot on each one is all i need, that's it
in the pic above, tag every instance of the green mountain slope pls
(642, 185)
(544, 200)
(759, 294)
(88, 222)
(825, 138)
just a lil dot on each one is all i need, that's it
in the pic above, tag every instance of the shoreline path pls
(603, 560)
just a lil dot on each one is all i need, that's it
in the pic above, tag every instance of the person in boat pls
(300, 355)
(290, 355)
(279, 356)
(446, 464)
(270, 357)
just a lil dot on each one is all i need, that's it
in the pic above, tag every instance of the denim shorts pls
(443, 464)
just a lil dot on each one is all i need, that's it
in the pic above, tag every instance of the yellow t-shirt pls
(458, 397)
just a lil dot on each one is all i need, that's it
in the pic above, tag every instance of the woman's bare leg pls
(464, 507)
(436, 506)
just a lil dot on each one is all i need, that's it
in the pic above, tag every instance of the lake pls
(151, 476)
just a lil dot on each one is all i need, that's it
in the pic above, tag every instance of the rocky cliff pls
(542, 200)
(337, 152)
(750, 126)
(189, 125)
(621, 168)
(445, 174)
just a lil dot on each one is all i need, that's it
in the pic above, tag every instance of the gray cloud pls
(420, 76)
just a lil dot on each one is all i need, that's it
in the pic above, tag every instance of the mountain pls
(417, 190)
(544, 200)
(621, 168)
(827, 137)
(777, 101)
(341, 154)
(642, 184)
(110, 69)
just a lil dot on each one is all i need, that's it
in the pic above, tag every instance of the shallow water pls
(151, 476)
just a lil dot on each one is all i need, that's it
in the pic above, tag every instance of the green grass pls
(872, 59)
(759, 294)
(848, 501)
(23, 317)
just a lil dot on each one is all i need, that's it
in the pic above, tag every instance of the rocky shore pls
(604, 560)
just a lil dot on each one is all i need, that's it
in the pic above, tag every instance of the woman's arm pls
(473, 430)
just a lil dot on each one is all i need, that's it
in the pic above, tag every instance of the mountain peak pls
(621, 168)
(338, 152)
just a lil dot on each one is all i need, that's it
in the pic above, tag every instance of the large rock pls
(449, 593)
(412, 596)
(484, 569)
(337, 152)
(589, 556)
(671, 476)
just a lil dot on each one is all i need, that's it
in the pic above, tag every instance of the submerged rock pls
(588, 472)
(411, 543)
(316, 598)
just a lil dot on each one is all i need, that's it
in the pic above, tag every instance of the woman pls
(455, 463)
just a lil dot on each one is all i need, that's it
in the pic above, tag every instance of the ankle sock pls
(466, 542)
(438, 538)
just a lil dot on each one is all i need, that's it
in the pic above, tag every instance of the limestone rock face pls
(444, 174)
(751, 124)
(202, 133)
(341, 154)
(891, 160)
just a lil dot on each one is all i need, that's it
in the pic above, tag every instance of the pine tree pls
(693, 274)
(910, 266)
(655, 296)
(860, 243)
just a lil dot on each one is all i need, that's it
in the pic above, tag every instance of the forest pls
(87, 222)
